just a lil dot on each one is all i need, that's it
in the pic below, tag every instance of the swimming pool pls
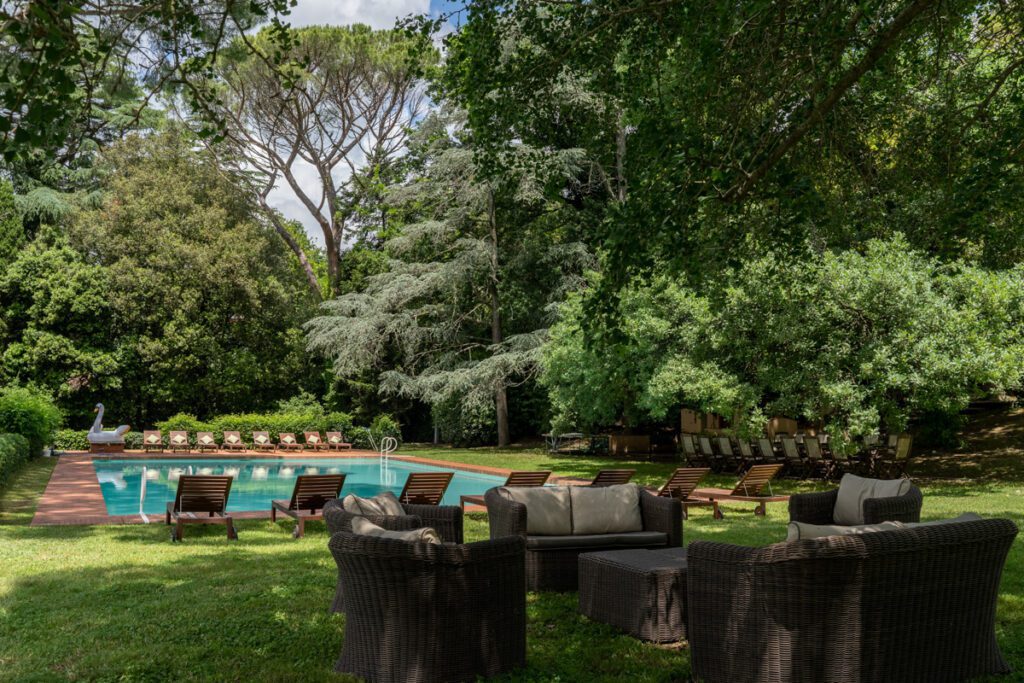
(258, 480)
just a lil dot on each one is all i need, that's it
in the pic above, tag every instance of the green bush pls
(13, 454)
(71, 440)
(77, 440)
(368, 437)
(275, 423)
(31, 413)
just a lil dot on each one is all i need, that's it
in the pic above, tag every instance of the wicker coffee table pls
(642, 592)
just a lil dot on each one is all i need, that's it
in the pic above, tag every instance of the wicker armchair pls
(426, 612)
(914, 604)
(446, 520)
(555, 569)
(816, 508)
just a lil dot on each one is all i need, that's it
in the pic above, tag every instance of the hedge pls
(274, 423)
(31, 413)
(14, 452)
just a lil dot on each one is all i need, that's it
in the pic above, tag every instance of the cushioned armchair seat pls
(913, 604)
(446, 520)
(551, 557)
(819, 508)
(423, 612)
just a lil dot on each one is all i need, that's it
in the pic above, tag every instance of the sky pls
(376, 13)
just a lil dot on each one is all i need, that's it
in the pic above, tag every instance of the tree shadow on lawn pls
(188, 612)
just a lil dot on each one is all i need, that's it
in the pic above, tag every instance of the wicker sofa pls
(551, 559)
(431, 612)
(446, 520)
(818, 508)
(914, 604)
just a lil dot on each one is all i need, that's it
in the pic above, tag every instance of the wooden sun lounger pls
(425, 488)
(286, 441)
(178, 441)
(747, 490)
(152, 440)
(205, 442)
(233, 442)
(198, 494)
(682, 483)
(520, 478)
(314, 441)
(261, 442)
(336, 442)
(612, 477)
(308, 497)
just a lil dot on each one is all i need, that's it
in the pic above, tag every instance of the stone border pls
(73, 495)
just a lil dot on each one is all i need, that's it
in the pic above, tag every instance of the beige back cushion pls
(606, 509)
(799, 531)
(548, 511)
(854, 490)
(385, 504)
(364, 527)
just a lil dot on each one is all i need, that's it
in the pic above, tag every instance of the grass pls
(121, 603)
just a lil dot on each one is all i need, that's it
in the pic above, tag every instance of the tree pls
(346, 109)
(459, 314)
(12, 233)
(853, 342)
(170, 294)
(65, 63)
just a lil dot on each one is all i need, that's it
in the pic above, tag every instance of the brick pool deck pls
(73, 494)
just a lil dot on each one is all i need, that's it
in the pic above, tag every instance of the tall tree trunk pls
(293, 244)
(620, 158)
(500, 393)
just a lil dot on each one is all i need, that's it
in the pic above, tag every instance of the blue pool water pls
(259, 480)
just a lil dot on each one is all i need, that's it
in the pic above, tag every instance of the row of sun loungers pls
(178, 442)
(802, 456)
(203, 499)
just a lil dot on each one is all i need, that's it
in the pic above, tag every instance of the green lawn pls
(122, 603)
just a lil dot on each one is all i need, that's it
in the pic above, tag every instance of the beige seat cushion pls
(854, 490)
(800, 531)
(385, 504)
(364, 527)
(548, 510)
(606, 509)
(966, 517)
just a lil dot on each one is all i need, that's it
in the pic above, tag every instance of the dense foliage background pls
(604, 212)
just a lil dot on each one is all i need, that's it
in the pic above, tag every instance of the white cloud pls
(376, 13)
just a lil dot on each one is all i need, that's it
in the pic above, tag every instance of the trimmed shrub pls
(31, 413)
(275, 423)
(14, 451)
(71, 440)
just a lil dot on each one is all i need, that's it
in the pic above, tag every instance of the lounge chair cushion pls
(606, 509)
(966, 517)
(636, 539)
(799, 531)
(548, 508)
(261, 438)
(363, 526)
(152, 438)
(231, 438)
(206, 440)
(178, 439)
(385, 504)
(854, 490)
